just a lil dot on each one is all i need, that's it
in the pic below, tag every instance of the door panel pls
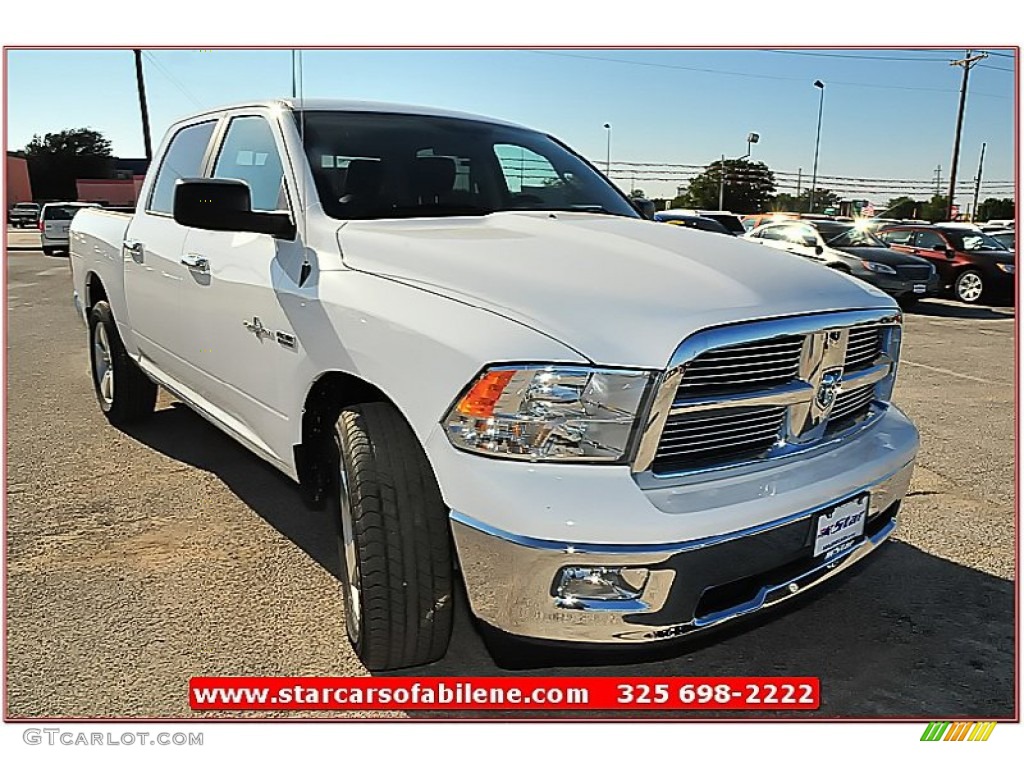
(239, 293)
(153, 272)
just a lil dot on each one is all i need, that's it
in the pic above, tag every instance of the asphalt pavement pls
(138, 560)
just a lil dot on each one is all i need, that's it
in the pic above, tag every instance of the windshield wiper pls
(581, 208)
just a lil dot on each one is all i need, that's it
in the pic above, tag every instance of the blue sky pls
(888, 114)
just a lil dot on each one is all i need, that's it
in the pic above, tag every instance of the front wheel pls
(394, 542)
(969, 286)
(124, 392)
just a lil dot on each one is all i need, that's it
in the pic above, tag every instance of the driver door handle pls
(196, 263)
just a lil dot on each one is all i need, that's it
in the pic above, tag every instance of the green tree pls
(936, 209)
(57, 160)
(995, 208)
(901, 207)
(637, 193)
(748, 187)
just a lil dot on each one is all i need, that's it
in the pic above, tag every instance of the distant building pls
(19, 187)
(121, 190)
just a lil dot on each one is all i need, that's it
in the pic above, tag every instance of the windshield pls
(850, 237)
(369, 165)
(970, 240)
(60, 212)
(731, 224)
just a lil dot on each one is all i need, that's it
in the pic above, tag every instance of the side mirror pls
(950, 252)
(644, 207)
(225, 205)
(818, 250)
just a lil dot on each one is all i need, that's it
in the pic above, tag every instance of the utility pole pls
(938, 180)
(142, 104)
(965, 63)
(721, 185)
(799, 181)
(977, 183)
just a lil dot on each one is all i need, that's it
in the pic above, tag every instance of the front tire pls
(124, 392)
(969, 286)
(394, 541)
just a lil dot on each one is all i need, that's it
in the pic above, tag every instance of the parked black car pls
(23, 215)
(852, 249)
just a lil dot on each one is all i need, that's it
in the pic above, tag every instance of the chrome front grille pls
(862, 347)
(851, 405)
(758, 365)
(762, 390)
(712, 436)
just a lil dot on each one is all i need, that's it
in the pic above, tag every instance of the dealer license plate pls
(841, 527)
(920, 288)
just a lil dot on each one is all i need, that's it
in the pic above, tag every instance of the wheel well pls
(94, 291)
(329, 394)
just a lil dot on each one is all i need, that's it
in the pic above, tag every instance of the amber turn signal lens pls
(479, 401)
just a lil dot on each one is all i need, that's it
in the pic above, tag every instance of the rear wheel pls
(124, 392)
(49, 250)
(394, 541)
(969, 286)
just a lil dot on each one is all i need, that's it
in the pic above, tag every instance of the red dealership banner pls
(504, 693)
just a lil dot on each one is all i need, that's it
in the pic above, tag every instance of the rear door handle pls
(135, 249)
(196, 263)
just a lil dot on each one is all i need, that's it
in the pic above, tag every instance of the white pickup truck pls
(458, 336)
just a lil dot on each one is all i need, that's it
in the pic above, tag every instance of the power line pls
(731, 73)
(928, 60)
(174, 81)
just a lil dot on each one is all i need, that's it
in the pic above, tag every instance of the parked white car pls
(54, 223)
(458, 336)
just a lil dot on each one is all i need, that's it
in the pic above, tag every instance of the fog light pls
(600, 583)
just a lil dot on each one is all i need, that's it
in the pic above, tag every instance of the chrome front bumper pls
(511, 579)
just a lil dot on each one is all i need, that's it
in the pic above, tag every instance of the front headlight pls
(1007, 268)
(549, 413)
(874, 266)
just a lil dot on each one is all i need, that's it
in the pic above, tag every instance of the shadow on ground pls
(906, 634)
(947, 309)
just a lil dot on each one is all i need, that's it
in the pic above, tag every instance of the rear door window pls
(183, 159)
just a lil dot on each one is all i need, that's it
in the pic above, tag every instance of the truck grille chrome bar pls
(763, 390)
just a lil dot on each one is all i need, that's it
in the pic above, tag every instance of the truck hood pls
(618, 291)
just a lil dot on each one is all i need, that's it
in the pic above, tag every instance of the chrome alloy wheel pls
(102, 365)
(351, 561)
(969, 286)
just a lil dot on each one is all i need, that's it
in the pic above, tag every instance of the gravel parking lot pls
(137, 560)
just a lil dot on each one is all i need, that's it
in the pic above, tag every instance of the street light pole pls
(817, 145)
(608, 152)
(752, 138)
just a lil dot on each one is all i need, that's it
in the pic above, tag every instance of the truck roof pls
(351, 105)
